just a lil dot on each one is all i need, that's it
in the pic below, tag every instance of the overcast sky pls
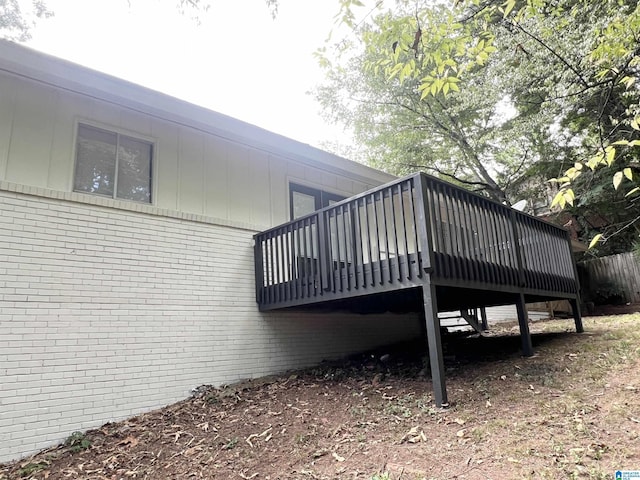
(238, 61)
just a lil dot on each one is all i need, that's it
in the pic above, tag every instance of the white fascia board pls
(39, 67)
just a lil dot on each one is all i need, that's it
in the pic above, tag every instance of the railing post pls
(523, 321)
(258, 265)
(575, 303)
(423, 249)
(434, 342)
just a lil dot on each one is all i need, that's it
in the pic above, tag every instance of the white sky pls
(238, 61)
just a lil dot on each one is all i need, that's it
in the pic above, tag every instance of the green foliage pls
(381, 476)
(32, 467)
(416, 108)
(566, 69)
(77, 441)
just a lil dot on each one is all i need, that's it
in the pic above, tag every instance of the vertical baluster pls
(339, 281)
(460, 231)
(276, 267)
(542, 242)
(331, 248)
(553, 261)
(474, 247)
(369, 237)
(313, 254)
(395, 218)
(289, 262)
(347, 246)
(565, 259)
(282, 265)
(299, 258)
(484, 271)
(386, 235)
(376, 220)
(453, 234)
(490, 235)
(467, 235)
(358, 259)
(502, 245)
(514, 251)
(407, 259)
(305, 259)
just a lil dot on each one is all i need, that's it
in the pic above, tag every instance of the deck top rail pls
(391, 236)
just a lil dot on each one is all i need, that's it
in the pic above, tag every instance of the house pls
(150, 246)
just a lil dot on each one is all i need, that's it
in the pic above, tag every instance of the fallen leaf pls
(337, 457)
(460, 433)
(459, 421)
(130, 441)
(248, 478)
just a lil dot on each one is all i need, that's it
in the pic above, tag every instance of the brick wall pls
(106, 313)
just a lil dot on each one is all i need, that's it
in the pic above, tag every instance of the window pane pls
(96, 161)
(134, 170)
(303, 204)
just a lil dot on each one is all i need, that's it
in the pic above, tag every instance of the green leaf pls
(617, 178)
(611, 154)
(508, 6)
(595, 240)
(628, 173)
(559, 200)
(569, 196)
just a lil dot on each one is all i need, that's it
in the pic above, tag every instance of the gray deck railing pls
(389, 237)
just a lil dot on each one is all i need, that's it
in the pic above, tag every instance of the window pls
(305, 200)
(112, 165)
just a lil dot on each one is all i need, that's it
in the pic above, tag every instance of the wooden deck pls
(416, 242)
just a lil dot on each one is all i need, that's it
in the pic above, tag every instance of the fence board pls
(621, 271)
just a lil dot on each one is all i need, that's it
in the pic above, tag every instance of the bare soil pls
(571, 411)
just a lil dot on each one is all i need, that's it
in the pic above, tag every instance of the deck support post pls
(577, 317)
(523, 321)
(483, 318)
(434, 342)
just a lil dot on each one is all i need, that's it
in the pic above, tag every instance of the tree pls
(469, 134)
(576, 90)
(16, 23)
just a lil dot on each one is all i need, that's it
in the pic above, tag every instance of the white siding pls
(194, 171)
(106, 313)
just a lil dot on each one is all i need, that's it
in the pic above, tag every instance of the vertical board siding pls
(194, 171)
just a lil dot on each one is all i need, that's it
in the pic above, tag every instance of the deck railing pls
(476, 240)
(389, 237)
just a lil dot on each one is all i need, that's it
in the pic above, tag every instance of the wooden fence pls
(616, 277)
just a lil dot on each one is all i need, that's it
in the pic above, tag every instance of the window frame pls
(322, 198)
(119, 132)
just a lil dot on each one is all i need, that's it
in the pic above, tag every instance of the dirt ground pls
(571, 411)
